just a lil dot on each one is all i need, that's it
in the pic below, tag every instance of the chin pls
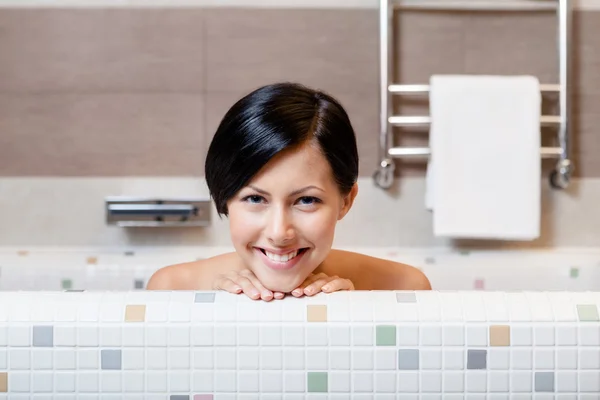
(280, 283)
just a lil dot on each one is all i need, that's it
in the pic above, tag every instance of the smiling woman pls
(282, 167)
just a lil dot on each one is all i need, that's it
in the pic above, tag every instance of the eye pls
(253, 199)
(308, 200)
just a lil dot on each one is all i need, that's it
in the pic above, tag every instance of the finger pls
(263, 293)
(315, 286)
(278, 295)
(247, 286)
(299, 291)
(227, 285)
(338, 284)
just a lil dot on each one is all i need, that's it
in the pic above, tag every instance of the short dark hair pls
(269, 120)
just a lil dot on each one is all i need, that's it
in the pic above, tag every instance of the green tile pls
(316, 382)
(574, 272)
(386, 335)
(587, 312)
(67, 284)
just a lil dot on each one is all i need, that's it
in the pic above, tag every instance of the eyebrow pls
(294, 193)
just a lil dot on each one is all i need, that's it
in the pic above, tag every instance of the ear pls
(348, 200)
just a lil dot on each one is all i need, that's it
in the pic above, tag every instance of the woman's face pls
(282, 224)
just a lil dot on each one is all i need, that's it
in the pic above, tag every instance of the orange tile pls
(135, 313)
(316, 313)
(23, 253)
(500, 335)
(3, 382)
(92, 260)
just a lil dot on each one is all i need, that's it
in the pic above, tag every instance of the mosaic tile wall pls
(371, 345)
(98, 269)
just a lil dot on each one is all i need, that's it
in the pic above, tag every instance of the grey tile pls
(544, 381)
(406, 297)
(111, 359)
(138, 284)
(204, 298)
(476, 359)
(125, 134)
(43, 336)
(329, 49)
(408, 359)
(179, 397)
(102, 50)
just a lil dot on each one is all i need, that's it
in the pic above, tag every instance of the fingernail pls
(326, 287)
(267, 294)
(297, 292)
(237, 289)
(254, 293)
(309, 290)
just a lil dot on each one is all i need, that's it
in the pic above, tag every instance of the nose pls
(280, 227)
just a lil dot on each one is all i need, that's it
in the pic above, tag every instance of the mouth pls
(281, 261)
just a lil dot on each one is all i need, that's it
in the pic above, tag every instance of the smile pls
(281, 261)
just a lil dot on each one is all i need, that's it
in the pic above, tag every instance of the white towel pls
(483, 178)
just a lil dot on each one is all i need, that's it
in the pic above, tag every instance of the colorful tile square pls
(476, 359)
(316, 382)
(500, 335)
(135, 313)
(3, 382)
(385, 335)
(204, 298)
(316, 313)
(408, 359)
(407, 297)
(574, 272)
(138, 284)
(544, 381)
(588, 312)
(111, 359)
(43, 336)
(203, 397)
(67, 284)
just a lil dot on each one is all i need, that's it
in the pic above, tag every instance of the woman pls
(283, 167)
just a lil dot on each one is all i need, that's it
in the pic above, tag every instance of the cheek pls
(319, 228)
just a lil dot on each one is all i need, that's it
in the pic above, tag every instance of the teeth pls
(283, 257)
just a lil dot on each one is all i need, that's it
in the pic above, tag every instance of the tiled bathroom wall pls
(96, 269)
(358, 345)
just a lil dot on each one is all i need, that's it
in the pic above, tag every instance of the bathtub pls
(77, 324)
(130, 268)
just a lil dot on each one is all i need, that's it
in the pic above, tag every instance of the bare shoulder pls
(372, 273)
(194, 275)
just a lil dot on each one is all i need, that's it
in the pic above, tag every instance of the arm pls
(371, 273)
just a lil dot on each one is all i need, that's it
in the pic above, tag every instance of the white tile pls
(225, 335)
(518, 307)
(293, 359)
(271, 311)
(110, 336)
(407, 312)
(64, 382)
(179, 359)
(19, 358)
(225, 312)
(88, 336)
(362, 381)
(453, 382)
(294, 336)
(42, 382)
(3, 335)
(453, 335)
(201, 335)
(272, 335)
(294, 382)
(362, 359)
(156, 359)
(477, 335)
(317, 359)
(566, 358)
(476, 381)
(495, 306)
(338, 312)
(431, 335)
(43, 359)
(431, 381)
(521, 358)
(179, 336)
(272, 359)
(89, 382)
(521, 381)
(541, 308)
(90, 359)
(429, 307)
(133, 381)
(454, 359)
(248, 381)
(521, 336)
(566, 381)
(248, 311)
(544, 336)
(112, 312)
(589, 335)
(157, 312)
(225, 358)
(385, 382)
(65, 359)
(133, 336)
(202, 381)
(19, 336)
(543, 358)
(271, 382)
(408, 382)
(589, 381)
(562, 308)
(3, 359)
(225, 381)
(179, 381)
(248, 359)
(473, 306)
(566, 335)
(203, 359)
(498, 358)
(363, 335)
(294, 310)
(589, 358)
(339, 335)
(248, 335)
(339, 382)
(430, 358)
(499, 381)
(451, 306)
(66, 312)
(156, 336)
(385, 359)
(20, 382)
(340, 359)
(156, 381)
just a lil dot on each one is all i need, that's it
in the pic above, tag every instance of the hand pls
(246, 282)
(320, 282)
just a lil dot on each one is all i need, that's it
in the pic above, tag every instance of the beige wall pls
(121, 92)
